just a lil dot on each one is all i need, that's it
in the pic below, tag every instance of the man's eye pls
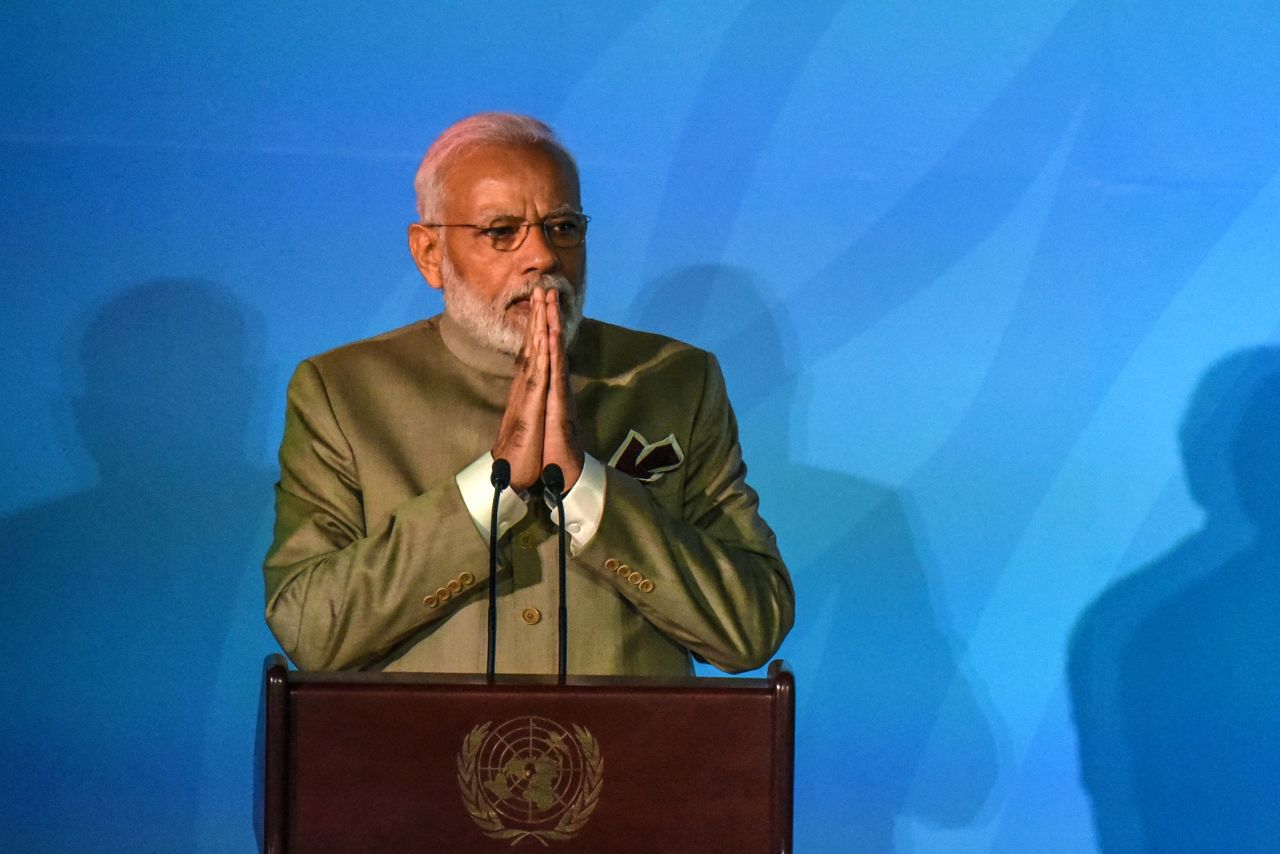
(500, 232)
(565, 226)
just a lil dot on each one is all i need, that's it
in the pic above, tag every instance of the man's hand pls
(521, 434)
(560, 435)
(540, 425)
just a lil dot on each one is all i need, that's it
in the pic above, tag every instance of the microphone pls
(553, 479)
(553, 485)
(500, 477)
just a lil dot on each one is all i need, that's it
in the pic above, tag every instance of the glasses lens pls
(505, 237)
(566, 232)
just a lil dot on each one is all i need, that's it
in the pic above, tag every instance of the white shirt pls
(583, 504)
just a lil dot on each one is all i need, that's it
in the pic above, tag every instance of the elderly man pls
(383, 506)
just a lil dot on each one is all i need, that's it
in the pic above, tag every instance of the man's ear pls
(424, 246)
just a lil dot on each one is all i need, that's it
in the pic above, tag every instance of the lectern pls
(381, 762)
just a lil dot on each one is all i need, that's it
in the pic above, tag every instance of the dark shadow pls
(118, 598)
(1175, 669)
(1139, 203)
(878, 678)
(1150, 163)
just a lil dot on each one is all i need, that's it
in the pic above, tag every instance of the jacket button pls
(532, 616)
(525, 540)
(612, 564)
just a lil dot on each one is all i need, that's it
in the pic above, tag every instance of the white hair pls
(487, 321)
(509, 129)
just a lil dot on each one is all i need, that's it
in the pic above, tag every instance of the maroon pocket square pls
(644, 460)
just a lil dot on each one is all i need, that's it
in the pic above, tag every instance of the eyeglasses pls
(563, 231)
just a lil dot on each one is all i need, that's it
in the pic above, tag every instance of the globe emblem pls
(530, 776)
(531, 770)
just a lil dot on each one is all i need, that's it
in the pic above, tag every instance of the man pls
(383, 505)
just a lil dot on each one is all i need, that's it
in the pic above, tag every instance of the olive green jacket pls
(371, 527)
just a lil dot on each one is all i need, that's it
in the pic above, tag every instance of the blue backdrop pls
(994, 286)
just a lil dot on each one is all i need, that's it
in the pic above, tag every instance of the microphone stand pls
(500, 477)
(553, 482)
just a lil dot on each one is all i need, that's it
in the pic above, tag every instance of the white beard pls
(487, 321)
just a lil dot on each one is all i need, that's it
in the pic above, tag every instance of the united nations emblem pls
(529, 777)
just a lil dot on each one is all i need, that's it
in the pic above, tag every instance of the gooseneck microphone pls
(500, 477)
(553, 484)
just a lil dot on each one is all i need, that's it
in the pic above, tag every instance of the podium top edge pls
(778, 669)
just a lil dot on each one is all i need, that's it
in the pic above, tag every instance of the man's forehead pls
(492, 179)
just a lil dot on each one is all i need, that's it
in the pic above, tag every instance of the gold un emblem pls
(530, 777)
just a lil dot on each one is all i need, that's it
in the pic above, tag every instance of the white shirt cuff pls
(477, 493)
(583, 505)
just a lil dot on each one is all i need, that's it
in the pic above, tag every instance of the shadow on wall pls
(1175, 670)
(878, 678)
(118, 597)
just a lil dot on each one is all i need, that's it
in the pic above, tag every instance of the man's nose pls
(537, 255)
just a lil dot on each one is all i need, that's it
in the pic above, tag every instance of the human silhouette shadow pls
(878, 679)
(1111, 108)
(118, 597)
(1175, 669)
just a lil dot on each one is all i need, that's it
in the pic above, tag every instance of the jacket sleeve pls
(701, 565)
(337, 594)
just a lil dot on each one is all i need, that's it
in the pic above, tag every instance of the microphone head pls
(500, 476)
(553, 478)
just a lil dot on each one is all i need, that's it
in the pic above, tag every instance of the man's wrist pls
(477, 494)
(584, 503)
(573, 470)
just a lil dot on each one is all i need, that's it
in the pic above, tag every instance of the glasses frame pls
(524, 226)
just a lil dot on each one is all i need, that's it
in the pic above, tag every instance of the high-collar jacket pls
(377, 564)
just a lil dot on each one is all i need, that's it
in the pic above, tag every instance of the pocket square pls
(644, 460)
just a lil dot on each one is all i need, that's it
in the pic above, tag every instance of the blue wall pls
(994, 285)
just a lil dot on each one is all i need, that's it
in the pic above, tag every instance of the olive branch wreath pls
(574, 818)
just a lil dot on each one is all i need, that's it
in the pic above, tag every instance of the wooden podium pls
(381, 762)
